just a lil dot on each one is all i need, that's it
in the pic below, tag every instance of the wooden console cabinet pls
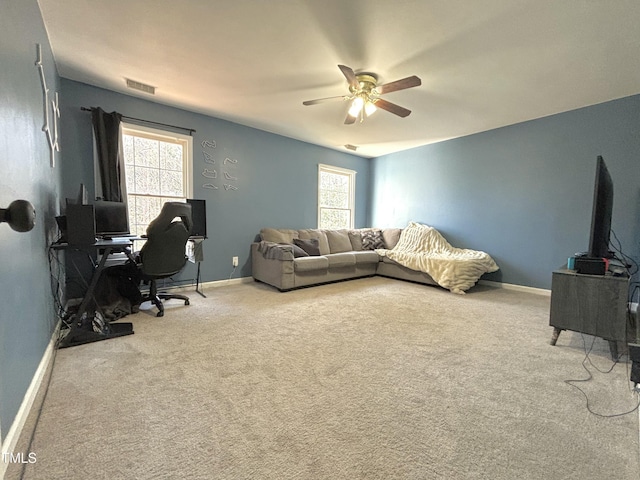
(591, 304)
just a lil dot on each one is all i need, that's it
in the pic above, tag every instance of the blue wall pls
(522, 193)
(277, 176)
(27, 315)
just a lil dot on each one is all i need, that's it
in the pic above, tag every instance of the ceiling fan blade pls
(323, 100)
(350, 76)
(392, 107)
(408, 82)
(349, 120)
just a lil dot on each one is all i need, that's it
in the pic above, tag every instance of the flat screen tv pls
(112, 218)
(601, 213)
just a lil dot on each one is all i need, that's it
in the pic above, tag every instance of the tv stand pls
(591, 304)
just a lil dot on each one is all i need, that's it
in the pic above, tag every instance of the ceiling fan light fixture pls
(365, 95)
(356, 107)
(370, 108)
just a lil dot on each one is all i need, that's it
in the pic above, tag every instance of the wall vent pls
(141, 87)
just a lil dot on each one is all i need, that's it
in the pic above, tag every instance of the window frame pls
(351, 174)
(158, 134)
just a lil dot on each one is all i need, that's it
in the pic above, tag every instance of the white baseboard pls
(227, 282)
(237, 281)
(13, 435)
(213, 284)
(521, 288)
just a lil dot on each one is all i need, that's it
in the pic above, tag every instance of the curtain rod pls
(190, 130)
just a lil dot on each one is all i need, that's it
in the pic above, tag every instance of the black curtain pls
(106, 128)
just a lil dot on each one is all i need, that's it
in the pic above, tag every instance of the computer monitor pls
(83, 195)
(112, 218)
(199, 217)
(81, 199)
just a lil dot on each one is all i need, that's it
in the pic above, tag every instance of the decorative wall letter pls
(229, 163)
(52, 138)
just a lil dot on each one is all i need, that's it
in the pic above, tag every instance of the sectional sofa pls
(289, 259)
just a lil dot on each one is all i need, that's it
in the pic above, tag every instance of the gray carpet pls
(366, 379)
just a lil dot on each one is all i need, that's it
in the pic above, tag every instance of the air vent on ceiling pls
(351, 147)
(142, 87)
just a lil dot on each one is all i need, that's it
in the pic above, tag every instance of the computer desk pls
(81, 331)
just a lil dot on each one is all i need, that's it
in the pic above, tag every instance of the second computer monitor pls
(112, 218)
(199, 217)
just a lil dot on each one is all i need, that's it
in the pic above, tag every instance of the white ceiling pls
(483, 64)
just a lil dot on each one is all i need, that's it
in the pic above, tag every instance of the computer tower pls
(81, 225)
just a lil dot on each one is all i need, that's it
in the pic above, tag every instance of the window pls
(336, 197)
(157, 170)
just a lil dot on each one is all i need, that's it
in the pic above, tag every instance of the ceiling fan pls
(364, 94)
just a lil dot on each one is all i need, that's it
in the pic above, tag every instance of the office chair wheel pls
(160, 314)
(186, 302)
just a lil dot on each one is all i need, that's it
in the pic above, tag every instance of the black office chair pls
(163, 254)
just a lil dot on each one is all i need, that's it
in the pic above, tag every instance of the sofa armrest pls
(275, 251)
(272, 263)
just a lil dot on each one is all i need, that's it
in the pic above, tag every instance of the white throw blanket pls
(423, 248)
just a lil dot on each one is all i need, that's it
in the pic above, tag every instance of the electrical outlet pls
(234, 261)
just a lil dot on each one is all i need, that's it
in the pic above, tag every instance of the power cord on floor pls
(590, 377)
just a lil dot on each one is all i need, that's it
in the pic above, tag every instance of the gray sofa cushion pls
(297, 251)
(309, 246)
(323, 243)
(309, 264)
(338, 241)
(278, 235)
(372, 239)
(367, 256)
(386, 259)
(341, 260)
(355, 237)
(391, 236)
